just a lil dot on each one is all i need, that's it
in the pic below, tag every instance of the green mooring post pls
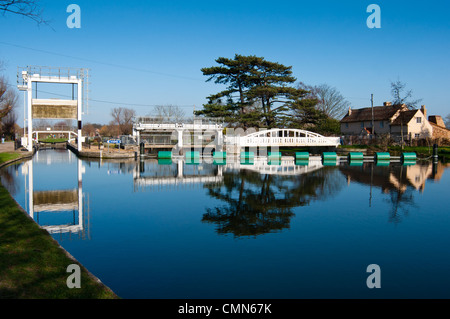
(355, 156)
(165, 154)
(302, 156)
(329, 156)
(382, 156)
(408, 157)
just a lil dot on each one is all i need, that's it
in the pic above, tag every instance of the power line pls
(103, 63)
(104, 101)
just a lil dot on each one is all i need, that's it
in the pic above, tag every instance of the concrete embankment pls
(102, 153)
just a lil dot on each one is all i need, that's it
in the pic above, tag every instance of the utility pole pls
(373, 123)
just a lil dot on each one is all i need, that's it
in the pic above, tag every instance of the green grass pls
(53, 140)
(353, 146)
(32, 264)
(6, 156)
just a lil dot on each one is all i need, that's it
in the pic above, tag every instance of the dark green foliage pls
(259, 93)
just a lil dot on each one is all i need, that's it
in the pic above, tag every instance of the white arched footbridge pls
(282, 137)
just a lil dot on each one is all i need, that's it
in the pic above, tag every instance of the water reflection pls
(256, 203)
(251, 199)
(61, 210)
(398, 182)
(151, 174)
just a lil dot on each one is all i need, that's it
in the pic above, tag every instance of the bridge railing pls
(288, 141)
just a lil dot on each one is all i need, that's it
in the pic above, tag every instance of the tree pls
(123, 119)
(8, 124)
(401, 96)
(169, 113)
(271, 89)
(257, 92)
(447, 121)
(329, 100)
(8, 101)
(26, 8)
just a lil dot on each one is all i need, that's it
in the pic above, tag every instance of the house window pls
(362, 124)
(381, 124)
(417, 135)
(418, 119)
(346, 125)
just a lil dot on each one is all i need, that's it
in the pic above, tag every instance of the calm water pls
(250, 231)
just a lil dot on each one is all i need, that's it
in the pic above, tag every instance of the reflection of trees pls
(258, 204)
(7, 178)
(400, 201)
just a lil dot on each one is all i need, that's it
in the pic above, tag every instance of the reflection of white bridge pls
(177, 177)
(286, 166)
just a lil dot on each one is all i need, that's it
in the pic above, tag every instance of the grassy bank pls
(8, 156)
(32, 264)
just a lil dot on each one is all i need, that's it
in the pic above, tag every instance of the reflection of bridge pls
(285, 166)
(180, 172)
(54, 201)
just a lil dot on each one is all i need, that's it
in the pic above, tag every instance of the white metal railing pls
(271, 138)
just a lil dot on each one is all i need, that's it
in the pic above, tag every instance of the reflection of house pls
(394, 120)
(394, 177)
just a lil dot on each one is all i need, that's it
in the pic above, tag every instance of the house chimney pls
(424, 110)
(387, 103)
(349, 110)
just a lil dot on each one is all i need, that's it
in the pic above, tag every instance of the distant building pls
(393, 120)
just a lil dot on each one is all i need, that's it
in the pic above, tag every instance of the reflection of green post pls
(383, 162)
(329, 159)
(356, 163)
(435, 153)
(193, 157)
(219, 158)
(302, 162)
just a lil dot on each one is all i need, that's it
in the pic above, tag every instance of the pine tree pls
(257, 93)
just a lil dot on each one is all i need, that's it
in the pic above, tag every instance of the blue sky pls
(151, 52)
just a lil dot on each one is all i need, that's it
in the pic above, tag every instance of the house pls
(394, 120)
(438, 125)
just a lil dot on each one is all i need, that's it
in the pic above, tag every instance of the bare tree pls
(170, 113)
(8, 124)
(402, 96)
(27, 8)
(329, 100)
(447, 121)
(8, 99)
(123, 119)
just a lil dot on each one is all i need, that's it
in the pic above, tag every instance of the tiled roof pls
(438, 126)
(380, 113)
(404, 117)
